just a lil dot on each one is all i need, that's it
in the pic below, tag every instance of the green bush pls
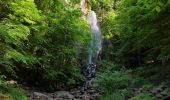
(7, 90)
(143, 96)
(148, 86)
(114, 96)
(128, 92)
(138, 81)
(16, 94)
(109, 82)
(53, 78)
(108, 66)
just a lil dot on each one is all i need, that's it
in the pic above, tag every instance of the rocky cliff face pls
(84, 6)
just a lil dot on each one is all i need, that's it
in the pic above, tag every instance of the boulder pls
(40, 96)
(164, 93)
(63, 95)
(85, 97)
(154, 91)
(159, 96)
(158, 90)
(96, 96)
(140, 89)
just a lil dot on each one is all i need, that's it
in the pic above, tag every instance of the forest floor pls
(160, 93)
(151, 74)
(150, 84)
(73, 94)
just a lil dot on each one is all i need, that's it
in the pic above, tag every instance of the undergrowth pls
(10, 92)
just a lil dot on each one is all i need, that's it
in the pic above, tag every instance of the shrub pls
(11, 92)
(109, 82)
(143, 96)
(108, 66)
(128, 92)
(16, 94)
(114, 96)
(148, 86)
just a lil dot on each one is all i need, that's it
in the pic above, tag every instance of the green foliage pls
(150, 75)
(100, 4)
(108, 66)
(110, 82)
(111, 78)
(10, 91)
(16, 94)
(148, 86)
(15, 34)
(128, 92)
(108, 24)
(140, 26)
(39, 37)
(143, 96)
(19, 7)
(136, 32)
(114, 96)
(132, 29)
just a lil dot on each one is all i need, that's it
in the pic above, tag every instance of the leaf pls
(158, 9)
(160, 4)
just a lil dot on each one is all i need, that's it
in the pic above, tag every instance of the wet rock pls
(158, 89)
(85, 97)
(159, 96)
(135, 89)
(96, 96)
(164, 93)
(40, 96)
(137, 92)
(91, 91)
(154, 91)
(82, 90)
(140, 89)
(74, 92)
(63, 95)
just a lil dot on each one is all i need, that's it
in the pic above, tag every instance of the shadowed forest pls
(84, 49)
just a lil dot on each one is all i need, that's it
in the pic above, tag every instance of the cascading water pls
(94, 48)
(95, 45)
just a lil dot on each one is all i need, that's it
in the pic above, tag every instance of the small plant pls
(9, 92)
(148, 86)
(71, 82)
(111, 79)
(114, 96)
(138, 81)
(110, 82)
(143, 96)
(16, 94)
(108, 66)
(128, 92)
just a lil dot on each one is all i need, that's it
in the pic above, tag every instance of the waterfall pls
(95, 45)
(94, 48)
